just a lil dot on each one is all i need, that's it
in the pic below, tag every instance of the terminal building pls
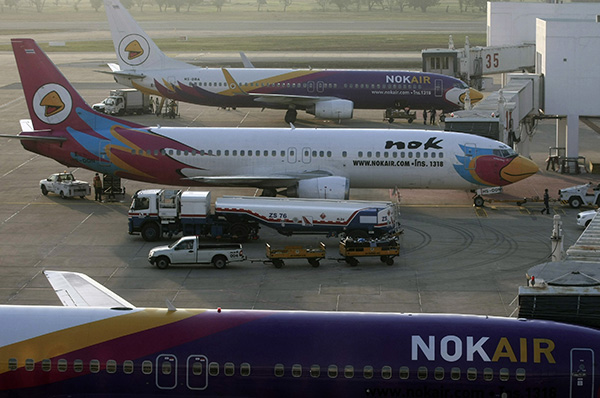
(549, 55)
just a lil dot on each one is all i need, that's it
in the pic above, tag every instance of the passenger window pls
(242, 153)
(369, 154)
(147, 367)
(360, 154)
(488, 374)
(386, 155)
(441, 155)
(62, 365)
(328, 154)
(128, 367)
(315, 371)
(94, 366)
(455, 373)
(404, 372)
(279, 370)
(197, 368)
(213, 369)
(471, 374)
(78, 365)
(321, 154)
(46, 365)
(245, 369)
(520, 374)
(433, 155)
(12, 364)
(438, 373)
(425, 155)
(349, 372)
(418, 155)
(377, 154)
(29, 364)
(344, 154)
(265, 153)
(229, 369)
(422, 373)
(297, 370)
(410, 155)
(111, 366)
(332, 371)
(504, 374)
(386, 372)
(368, 372)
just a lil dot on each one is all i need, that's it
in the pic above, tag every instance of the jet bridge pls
(506, 115)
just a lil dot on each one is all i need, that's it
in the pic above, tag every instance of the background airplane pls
(327, 94)
(98, 344)
(311, 163)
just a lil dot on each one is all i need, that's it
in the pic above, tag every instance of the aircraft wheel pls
(44, 190)
(162, 262)
(391, 120)
(410, 120)
(219, 261)
(478, 201)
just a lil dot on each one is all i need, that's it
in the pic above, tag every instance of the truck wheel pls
(162, 262)
(44, 190)
(219, 261)
(239, 232)
(314, 262)
(150, 232)
(575, 202)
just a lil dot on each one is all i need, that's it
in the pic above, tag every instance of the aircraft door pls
(291, 155)
(582, 373)
(439, 87)
(166, 372)
(197, 374)
(306, 155)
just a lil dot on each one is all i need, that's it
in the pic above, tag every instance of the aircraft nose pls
(475, 95)
(518, 169)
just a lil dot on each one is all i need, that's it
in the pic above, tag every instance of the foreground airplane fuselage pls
(304, 162)
(101, 352)
(329, 94)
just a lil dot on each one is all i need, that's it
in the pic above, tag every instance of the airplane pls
(99, 345)
(327, 94)
(308, 163)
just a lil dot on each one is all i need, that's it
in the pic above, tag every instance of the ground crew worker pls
(98, 188)
(546, 202)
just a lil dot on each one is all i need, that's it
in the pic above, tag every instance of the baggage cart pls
(312, 254)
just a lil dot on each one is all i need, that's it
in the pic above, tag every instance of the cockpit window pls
(505, 153)
(461, 84)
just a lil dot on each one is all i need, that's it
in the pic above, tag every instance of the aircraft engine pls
(332, 109)
(321, 188)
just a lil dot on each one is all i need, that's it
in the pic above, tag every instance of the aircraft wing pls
(79, 290)
(271, 181)
(279, 99)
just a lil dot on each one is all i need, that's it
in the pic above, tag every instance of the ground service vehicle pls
(386, 249)
(584, 218)
(312, 254)
(578, 195)
(189, 250)
(65, 185)
(126, 101)
(155, 212)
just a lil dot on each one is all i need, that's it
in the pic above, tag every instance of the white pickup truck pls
(189, 250)
(65, 185)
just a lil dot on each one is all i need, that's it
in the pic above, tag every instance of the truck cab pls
(189, 250)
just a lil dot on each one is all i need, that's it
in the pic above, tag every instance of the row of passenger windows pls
(320, 85)
(283, 154)
(279, 370)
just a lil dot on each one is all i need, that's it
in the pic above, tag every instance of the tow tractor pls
(578, 195)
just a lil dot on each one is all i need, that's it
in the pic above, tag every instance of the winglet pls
(79, 290)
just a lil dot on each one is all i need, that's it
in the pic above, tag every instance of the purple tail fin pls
(51, 99)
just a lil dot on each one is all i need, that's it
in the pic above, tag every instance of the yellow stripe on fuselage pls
(88, 334)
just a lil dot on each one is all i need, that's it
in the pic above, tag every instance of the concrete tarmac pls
(454, 258)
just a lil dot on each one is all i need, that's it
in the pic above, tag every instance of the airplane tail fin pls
(135, 50)
(51, 99)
